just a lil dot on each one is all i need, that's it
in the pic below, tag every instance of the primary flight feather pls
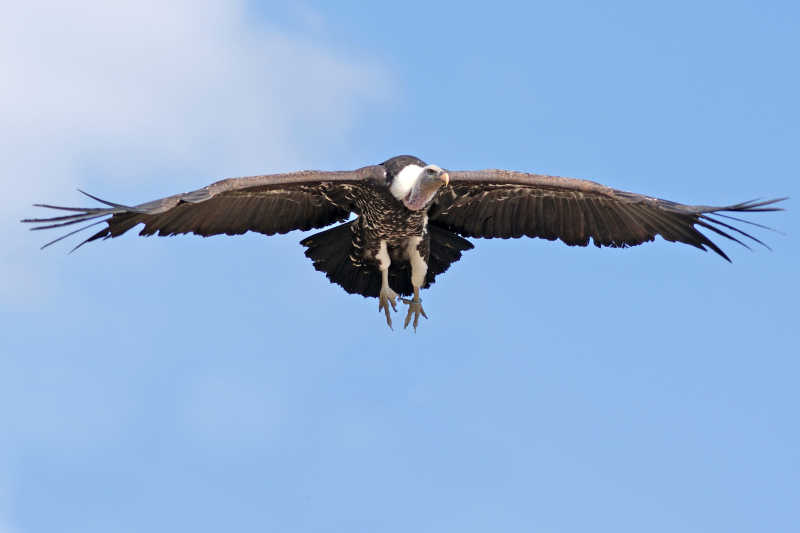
(411, 219)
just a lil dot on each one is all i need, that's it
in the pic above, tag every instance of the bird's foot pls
(415, 309)
(387, 297)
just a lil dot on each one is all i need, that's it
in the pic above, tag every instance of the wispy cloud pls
(135, 87)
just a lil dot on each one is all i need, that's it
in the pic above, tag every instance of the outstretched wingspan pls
(269, 204)
(502, 203)
(412, 217)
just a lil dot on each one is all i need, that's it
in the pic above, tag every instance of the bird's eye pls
(431, 171)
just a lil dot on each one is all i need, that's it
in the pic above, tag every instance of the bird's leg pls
(419, 268)
(415, 308)
(387, 295)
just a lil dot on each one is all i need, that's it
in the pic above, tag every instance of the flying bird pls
(411, 219)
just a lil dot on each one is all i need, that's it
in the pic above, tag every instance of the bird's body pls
(380, 218)
(411, 219)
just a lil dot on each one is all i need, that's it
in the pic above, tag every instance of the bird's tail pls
(335, 252)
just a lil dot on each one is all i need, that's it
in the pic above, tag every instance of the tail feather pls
(332, 250)
(446, 248)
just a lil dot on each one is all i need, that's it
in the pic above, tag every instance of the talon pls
(415, 309)
(387, 297)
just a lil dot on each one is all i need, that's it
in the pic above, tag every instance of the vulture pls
(411, 219)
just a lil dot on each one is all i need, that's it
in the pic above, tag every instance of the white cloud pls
(136, 87)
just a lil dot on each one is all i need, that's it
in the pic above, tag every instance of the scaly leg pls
(415, 308)
(419, 268)
(387, 295)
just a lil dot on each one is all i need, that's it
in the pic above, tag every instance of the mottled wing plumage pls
(268, 204)
(501, 203)
(412, 219)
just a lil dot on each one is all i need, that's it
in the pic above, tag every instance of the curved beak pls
(445, 177)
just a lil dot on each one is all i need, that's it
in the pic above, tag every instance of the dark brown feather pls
(501, 203)
(268, 204)
(332, 251)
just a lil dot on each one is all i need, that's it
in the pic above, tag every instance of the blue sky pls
(224, 384)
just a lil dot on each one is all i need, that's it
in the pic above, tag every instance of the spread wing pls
(268, 204)
(502, 203)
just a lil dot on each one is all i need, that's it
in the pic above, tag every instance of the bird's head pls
(416, 185)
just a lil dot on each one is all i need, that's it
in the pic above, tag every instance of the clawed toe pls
(415, 309)
(387, 298)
